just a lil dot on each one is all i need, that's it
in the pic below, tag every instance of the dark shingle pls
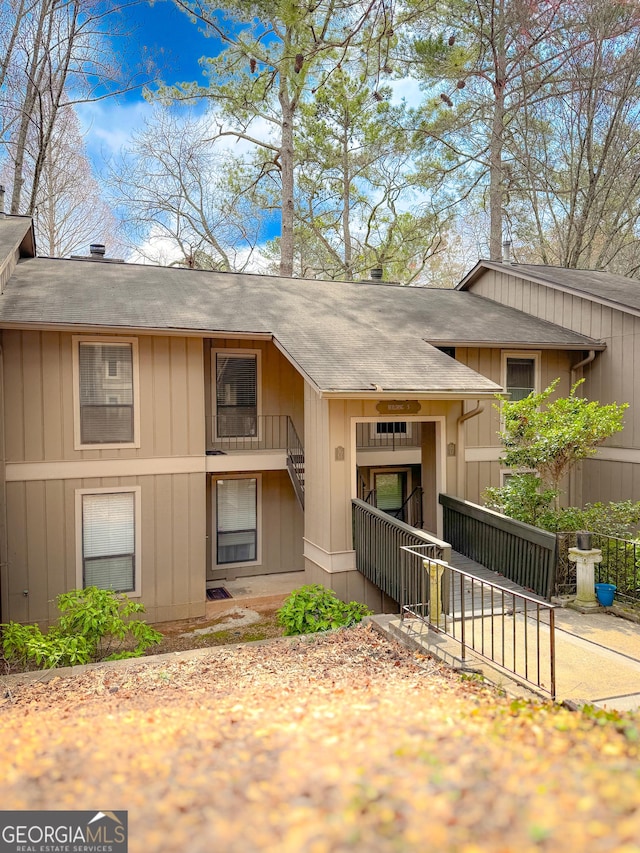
(344, 336)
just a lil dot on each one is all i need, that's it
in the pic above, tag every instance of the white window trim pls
(137, 531)
(214, 526)
(95, 339)
(237, 440)
(510, 472)
(534, 355)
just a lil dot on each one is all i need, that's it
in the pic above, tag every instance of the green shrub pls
(619, 518)
(314, 608)
(522, 497)
(95, 624)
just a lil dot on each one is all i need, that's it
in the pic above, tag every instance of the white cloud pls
(108, 125)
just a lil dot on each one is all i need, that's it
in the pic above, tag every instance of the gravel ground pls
(337, 742)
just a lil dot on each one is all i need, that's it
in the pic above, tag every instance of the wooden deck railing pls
(377, 540)
(524, 554)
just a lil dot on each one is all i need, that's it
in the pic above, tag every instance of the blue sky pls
(173, 42)
(174, 45)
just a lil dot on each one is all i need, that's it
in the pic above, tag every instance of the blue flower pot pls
(605, 593)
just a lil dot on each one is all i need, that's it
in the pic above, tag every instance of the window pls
(108, 537)
(236, 394)
(389, 491)
(520, 375)
(237, 520)
(391, 428)
(450, 351)
(106, 389)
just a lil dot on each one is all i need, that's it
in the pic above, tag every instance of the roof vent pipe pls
(97, 250)
(506, 252)
(376, 274)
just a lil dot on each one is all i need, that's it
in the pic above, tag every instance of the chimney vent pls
(97, 250)
(506, 252)
(376, 274)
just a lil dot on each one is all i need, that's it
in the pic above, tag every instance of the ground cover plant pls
(313, 608)
(335, 741)
(94, 625)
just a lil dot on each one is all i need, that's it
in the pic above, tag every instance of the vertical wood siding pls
(39, 398)
(614, 376)
(282, 386)
(41, 544)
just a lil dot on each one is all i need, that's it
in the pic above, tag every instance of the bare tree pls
(177, 186)
(579, 171)
(55, 53)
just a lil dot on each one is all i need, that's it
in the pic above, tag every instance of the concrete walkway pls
(597, 657)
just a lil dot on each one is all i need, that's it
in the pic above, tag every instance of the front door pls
(390, 490)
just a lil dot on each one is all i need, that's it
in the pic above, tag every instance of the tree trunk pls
(496, 188)
(346, 208)
(287, 188)
(28, 106)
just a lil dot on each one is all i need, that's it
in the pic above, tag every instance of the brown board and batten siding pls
(280, 529)
(282, 391)
(42, 536)
(614, 375)
(45, 472)
(481, 432)
(39, 399)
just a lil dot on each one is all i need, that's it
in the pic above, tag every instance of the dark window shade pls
(108, 541)
(391, 428)
(236, 395)
(520, 377)
(236, 525)
(106, 393)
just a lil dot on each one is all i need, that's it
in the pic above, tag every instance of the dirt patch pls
(236, 625)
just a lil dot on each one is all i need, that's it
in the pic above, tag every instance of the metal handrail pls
(500, 625)
(295, 460)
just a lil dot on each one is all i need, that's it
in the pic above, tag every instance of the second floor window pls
(521, 377)
(236, 395)
(106, 393)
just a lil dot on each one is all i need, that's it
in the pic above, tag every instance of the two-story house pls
(166, 429)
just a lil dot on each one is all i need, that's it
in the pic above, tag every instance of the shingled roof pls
(615, 290)
(346, 337)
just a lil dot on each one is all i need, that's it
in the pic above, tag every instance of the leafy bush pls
(95, 624)
(619, 518)
(313, 608)
(521, 498)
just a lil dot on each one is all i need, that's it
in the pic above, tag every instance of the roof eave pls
(579, 346)
(414, 394)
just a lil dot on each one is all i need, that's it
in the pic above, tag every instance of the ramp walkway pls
(477, 598)
(597, 657)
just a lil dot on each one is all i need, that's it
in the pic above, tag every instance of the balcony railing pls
(387, 436)
(248, 432)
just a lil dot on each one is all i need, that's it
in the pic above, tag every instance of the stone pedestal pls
(436, 571)
(585, 575)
